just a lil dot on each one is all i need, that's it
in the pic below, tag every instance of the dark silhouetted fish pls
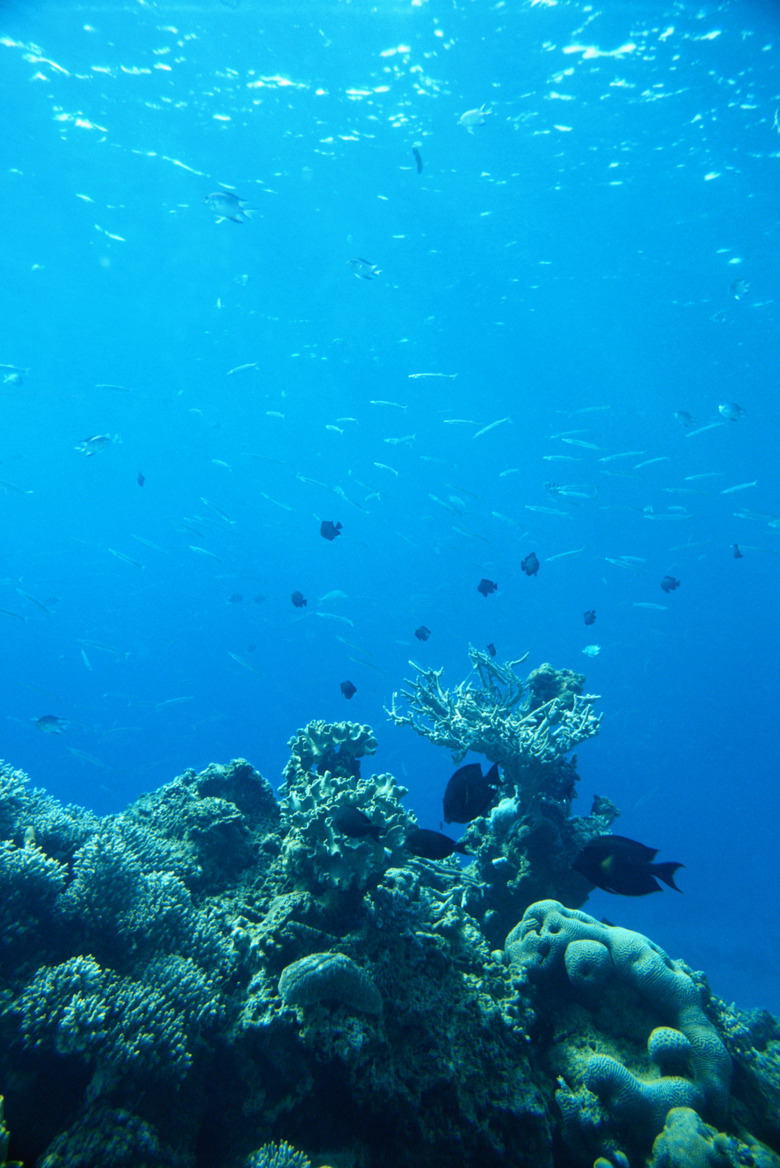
(487, 586)
(669, 583)
(433, 845)
(469, 793)
(417, 159)
(299, 600)
(491, 649)
(51, 724)
(735, 551)
(329, 530)
(530, 564)
(683, 417)
(140, 478)
(422, 634)
(348, 689)
(590, 616)
(353, 822)
(236, 598)
(624, 866)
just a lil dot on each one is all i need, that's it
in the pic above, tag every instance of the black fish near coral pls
(487, 586)
(617, 864)
(299, 600)
(530, 564)
(329, 529)
(348, 689)
(469, 793)
(423, 633)
(669, 583)
(433, 845)
(352, 822)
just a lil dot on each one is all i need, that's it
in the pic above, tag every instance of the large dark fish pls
(669, 583)
(433, 845)
(530, 564)
(624, 866)
(423, 633)
(487, 586)
(329, 529)
(469, 793)
(348, 689)
(351, 821)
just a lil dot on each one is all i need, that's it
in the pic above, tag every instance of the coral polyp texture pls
(221, 977)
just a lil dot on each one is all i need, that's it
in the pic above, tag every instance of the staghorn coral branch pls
(485, 718)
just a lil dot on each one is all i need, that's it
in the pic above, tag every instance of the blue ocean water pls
(563, 296)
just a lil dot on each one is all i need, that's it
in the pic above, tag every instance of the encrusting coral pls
(214, 977)
(610, 1101)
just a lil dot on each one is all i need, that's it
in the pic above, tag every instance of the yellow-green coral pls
(551, 940)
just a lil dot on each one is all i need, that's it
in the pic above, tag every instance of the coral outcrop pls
(610, 1101)
(524, 849)
(215, 978)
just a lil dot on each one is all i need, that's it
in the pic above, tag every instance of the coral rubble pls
(217, 978)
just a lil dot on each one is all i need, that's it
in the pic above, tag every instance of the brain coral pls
(552, 941)
(324, 977)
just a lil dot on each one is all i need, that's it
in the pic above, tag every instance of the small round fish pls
(227, 205)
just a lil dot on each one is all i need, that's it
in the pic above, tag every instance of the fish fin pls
(666, 872)
(461, 847)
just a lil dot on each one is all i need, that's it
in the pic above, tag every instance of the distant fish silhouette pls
(669, 583)
(433, 845)
(422, 634)
(623, 866)
(329, 529)
(491, 649)
(299, 600)
(469, 793)
(735, 551)
(140, 478)
(417, 159)
(530, 564)
(487, 586)
(590, 616)
(51, 724)
(348, 689)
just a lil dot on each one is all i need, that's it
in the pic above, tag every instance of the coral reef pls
(323, 776)
(524, 849)
(613, 1105)
(217, 979)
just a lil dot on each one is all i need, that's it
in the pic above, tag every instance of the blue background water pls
(571, 261)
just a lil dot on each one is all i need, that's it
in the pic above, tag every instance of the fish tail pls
(666, 873)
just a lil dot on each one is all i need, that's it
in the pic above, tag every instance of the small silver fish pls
(474, 117)
(364, 269)
(226, 205)
(731, 411)
(94, 444)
